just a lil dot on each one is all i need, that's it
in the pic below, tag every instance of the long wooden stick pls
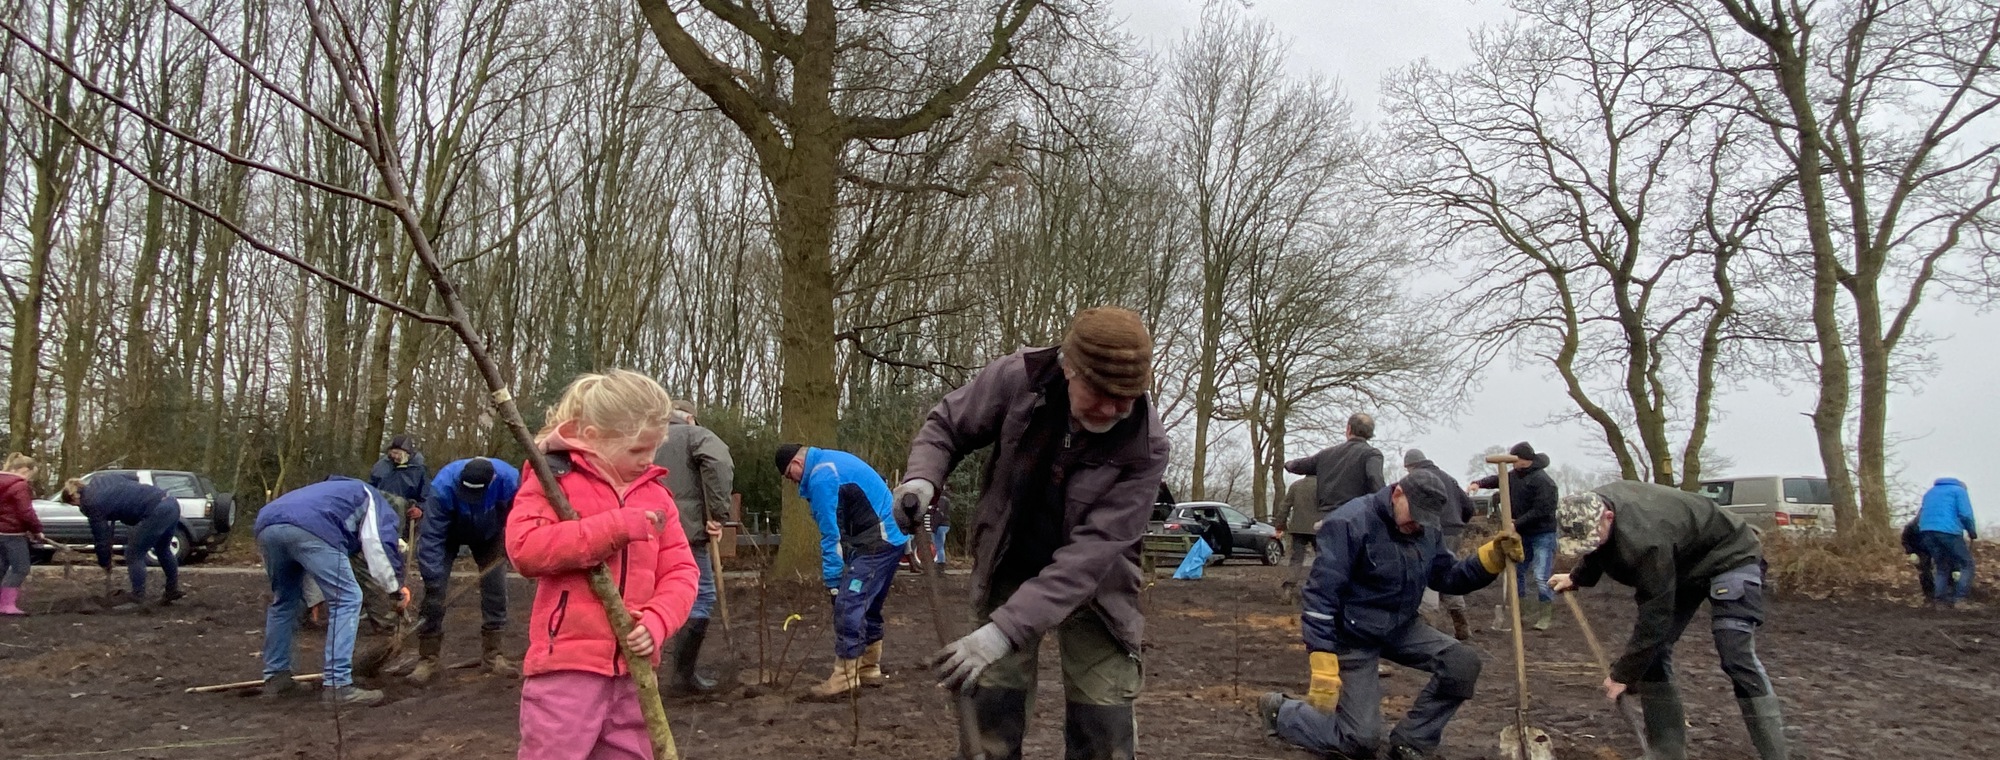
(1513, 592)
(1624, 704)
(241, 685)
(933, 575)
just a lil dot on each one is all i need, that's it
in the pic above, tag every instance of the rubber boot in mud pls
(1099, 732)
(1666, 720)
(1002, 718)
(684, 681)
(1763, 716)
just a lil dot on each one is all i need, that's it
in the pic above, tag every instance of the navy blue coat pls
(410, 480)
(116, 497)
(1369, 578)
(448, 520)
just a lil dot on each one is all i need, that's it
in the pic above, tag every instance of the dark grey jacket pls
(1665, 542)
(1300, 507)
(700, 475)
(1459, 508)
(1107, 499)
(1347, 471)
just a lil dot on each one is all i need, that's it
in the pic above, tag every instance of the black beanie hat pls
(1523, 450)
(786, 453)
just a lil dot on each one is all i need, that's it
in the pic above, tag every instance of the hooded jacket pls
(1107, 497)
(17, 506)
(1947, 509)
(700, 474)
(1665, 543)
(1347, 471)
(116, 497)
(1535, 496)
(1369, 578)
(449, 520)
(348, 515)
(851, 504)
(410, 481)
(653, 569)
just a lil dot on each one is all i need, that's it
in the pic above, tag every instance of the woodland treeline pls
(814, 217)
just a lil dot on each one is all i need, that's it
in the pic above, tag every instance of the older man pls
(1344, 472)
(700, 474)
(1078, 455)
(1679, 551)
(1377, 556)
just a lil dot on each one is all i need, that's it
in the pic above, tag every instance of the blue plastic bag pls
(1195, 561)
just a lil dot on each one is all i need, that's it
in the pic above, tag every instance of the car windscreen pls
(1808, 491)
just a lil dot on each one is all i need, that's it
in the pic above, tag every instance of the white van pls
(1801, 502)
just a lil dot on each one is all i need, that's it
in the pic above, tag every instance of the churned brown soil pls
(1859, 680)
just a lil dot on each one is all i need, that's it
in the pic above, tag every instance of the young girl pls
(578, 700)
(18, 524)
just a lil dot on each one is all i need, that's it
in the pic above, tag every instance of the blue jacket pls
(1947, 509)
(852, 506)
(409, 480)
(348, 515)
(448, 520)
(1369, 578)
(117, 497)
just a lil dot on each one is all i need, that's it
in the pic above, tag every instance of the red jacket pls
(569, 629)
(17, 505)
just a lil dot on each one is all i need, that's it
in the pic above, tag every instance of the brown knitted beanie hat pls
(1109, 347)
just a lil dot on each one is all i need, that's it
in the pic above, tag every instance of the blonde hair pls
(19, 461)
(620, 402)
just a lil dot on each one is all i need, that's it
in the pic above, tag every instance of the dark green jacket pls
(1664, 543)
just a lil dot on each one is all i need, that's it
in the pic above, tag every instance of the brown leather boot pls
(870, 666)
(427, 667)
(492, 659)
(846, 678)
(1460, 628)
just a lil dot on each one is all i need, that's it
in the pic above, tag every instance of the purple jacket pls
(1107, 503)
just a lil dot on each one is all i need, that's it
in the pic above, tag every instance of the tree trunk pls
(52, 170)
(1872, 449)
(807, 395)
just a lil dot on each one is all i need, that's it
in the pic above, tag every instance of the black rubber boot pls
(1098, 732)
(687, 651)
(1766, 722)
(1666, 720)
(1002, 717)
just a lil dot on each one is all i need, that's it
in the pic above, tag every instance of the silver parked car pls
(1801, 502)
(206, 515)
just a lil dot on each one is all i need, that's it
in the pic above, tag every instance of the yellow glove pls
(1495, 554)
(1324, 693)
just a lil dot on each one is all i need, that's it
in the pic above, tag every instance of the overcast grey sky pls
(1946, 426)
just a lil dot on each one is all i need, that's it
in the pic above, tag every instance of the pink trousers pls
(572, 715)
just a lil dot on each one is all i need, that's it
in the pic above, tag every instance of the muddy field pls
(1862, 680)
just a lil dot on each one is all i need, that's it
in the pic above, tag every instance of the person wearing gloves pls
(1078, 453)
(1944, 524)
(1535, 498)
(311, 531)
(578, 700)
(1678, 551)
(1456, 514)
(860, 547)
(1377, 556)
(470, 501)
(401, 473)
(701, 475)
(118, 497)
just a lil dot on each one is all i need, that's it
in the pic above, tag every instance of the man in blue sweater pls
(312, 531)
(118, 497)
(1377, 555)
(1944, 524)
(468, 507)
(860, 545)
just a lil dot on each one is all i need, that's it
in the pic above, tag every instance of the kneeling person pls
(1377, 555)
(1679, 551)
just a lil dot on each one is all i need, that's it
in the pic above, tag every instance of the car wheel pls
(1274, 552)
(182, 545)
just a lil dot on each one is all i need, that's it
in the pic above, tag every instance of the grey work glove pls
(910, 499)
(959, 664)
